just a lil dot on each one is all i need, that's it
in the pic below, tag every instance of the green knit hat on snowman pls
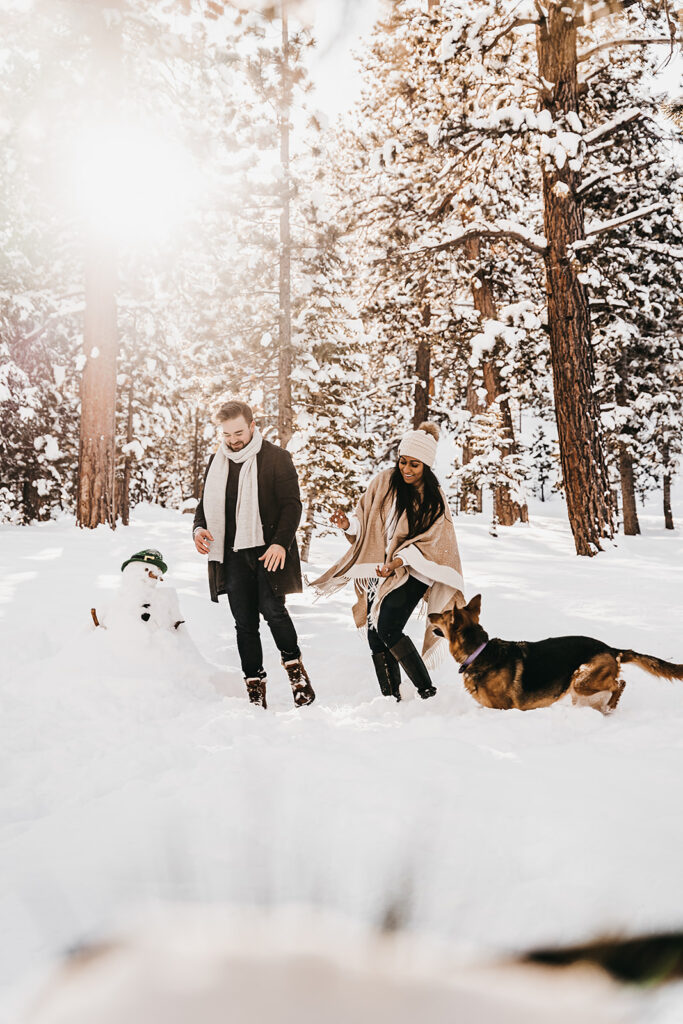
(148, 557)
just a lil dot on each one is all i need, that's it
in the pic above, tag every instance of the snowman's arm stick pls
(178, 623)
(94, 616)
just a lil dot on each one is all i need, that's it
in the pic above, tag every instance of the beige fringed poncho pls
(434, 555)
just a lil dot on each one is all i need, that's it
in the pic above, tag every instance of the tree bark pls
(285, 417)
(586, 485)
(628, 492)
(196, 467)
(506, 510)
(666, 493)
(127, 465)
(307, 534)
(626, 475)
(422, 370)
(471, 497)
(96, 492)
(30, 499)
(96, 501)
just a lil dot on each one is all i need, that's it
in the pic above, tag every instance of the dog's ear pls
(474, 607)
(439, 622)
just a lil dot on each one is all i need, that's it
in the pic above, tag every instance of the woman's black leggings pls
(397, 607)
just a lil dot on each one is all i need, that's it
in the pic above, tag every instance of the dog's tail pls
(655, 666)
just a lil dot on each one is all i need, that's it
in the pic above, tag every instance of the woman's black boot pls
(388, 674)
(407, 656)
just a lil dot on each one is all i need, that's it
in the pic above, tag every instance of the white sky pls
(339, 28)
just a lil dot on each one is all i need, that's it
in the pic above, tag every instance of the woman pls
(403, 551)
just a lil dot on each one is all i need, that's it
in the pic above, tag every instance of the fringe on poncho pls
(433, 554)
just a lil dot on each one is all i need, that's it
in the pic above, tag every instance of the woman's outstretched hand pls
(340, 520)
(389, 568)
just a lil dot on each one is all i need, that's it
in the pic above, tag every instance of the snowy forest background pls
(180, 222)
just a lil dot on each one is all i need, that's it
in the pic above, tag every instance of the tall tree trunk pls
(96, 493)
(96, 501)
(586, 485)
(196, 468)
(506, 510)
(666, 493)
(470, 496)
(626, 475)
(307, 533)
(422, 370)
(628, 492)
(127, 465)
(285, 418)
(30, 499)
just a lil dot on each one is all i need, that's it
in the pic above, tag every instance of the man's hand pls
(340, 520)
(202, 541)
(274, 557)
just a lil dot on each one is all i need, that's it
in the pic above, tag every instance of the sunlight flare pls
(131, 182)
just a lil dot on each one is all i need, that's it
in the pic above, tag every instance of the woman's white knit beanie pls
(421, 443)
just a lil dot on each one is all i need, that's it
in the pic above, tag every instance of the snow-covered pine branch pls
(599, 227)
(610, 44)
(589, 16)
(623, 118)
(506, 229)
(670, 251)
(516, 23)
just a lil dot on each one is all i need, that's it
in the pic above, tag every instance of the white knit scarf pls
(249, 529)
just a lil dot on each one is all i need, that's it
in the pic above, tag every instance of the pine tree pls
(300, 349)
(544, 460)
(427, 300)
(545, 123)
(40, 310)
(632, 274)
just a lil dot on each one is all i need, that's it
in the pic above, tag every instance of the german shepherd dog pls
(515, 674)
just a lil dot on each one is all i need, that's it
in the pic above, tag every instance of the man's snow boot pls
(301, 685)
(388, 674)
(256, 689)
(407, 656)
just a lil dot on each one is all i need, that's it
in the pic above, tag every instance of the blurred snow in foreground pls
(204, 965)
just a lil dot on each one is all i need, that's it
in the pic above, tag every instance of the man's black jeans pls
(251, 595)
(397, 607)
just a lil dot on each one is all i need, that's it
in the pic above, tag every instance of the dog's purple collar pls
(470, 657)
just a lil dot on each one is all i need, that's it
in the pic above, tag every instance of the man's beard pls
(239, 445)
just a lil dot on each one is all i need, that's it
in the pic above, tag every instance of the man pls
(246, 522)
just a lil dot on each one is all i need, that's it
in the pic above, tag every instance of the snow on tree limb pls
(599, 227)
(506, 229)
(611, 43)
(623, 118)
(516, 23)
(597, 178)
(671, 251)
(590, 16)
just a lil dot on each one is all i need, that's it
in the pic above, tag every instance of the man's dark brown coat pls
(280, 507)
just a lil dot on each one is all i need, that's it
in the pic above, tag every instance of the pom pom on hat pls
(421, 443)
(430, 428)
(673, 109)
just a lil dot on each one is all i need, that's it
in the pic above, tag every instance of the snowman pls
(140, 600)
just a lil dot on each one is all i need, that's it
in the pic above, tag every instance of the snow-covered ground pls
(134, 771)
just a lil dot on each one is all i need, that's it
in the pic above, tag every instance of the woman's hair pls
(423, 509)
